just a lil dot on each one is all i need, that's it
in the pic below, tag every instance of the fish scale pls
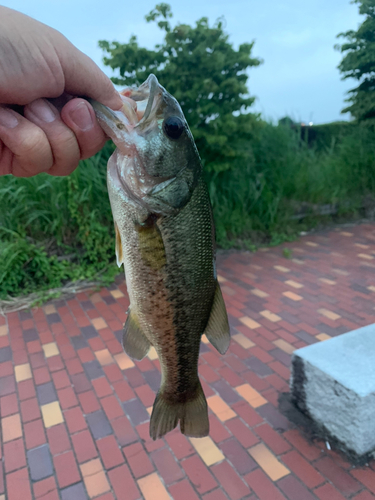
(165, 238)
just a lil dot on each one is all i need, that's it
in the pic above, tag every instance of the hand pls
(36, 135)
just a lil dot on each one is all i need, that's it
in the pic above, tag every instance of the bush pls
(55, 229)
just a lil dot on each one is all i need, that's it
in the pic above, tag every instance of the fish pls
(165, 238)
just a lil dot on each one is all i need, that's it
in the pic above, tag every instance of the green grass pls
(54, 229)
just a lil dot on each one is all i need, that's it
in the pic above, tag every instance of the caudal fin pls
(192, 414)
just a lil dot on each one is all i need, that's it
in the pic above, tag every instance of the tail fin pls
(192, 414)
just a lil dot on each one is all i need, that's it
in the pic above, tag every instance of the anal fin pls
(217, 330)
(135, 342)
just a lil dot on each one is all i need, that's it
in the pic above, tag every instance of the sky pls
(294, 38)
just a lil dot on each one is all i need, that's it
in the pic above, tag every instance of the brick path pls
(75, 409)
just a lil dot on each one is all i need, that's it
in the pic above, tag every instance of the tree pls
(199, 66)
(359, 63)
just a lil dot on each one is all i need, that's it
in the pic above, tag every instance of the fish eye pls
(173, 127)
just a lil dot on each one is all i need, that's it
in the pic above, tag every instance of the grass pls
(54, 230)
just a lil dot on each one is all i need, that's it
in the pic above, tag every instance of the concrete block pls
(333, 383)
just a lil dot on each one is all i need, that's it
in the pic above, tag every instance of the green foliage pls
(258, 198)
(359, 63)
(55, 229)
(201, 69)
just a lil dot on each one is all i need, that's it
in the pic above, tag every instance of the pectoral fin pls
(119, 256)
(217, 330)
(135, 342)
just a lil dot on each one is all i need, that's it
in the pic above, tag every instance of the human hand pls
(36, 135)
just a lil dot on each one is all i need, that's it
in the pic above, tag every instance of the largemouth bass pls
(165, 239)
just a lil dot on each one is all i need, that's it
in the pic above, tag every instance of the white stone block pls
(333, 383)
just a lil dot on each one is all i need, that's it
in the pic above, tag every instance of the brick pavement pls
(75, 409)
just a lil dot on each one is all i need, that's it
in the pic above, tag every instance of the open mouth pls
(138, 110)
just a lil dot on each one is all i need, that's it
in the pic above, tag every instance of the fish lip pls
(126, 118)
(154, 88)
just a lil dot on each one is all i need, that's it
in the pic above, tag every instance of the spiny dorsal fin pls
(119, 256)
(217, 330)
(135, 342)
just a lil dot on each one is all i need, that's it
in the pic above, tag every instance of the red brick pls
(55, 364)
(113, 372)
(6, 368)
(66, 469)
(37, 360)
(248, 414)
(124, 431)
(18, 485)
(123, 390)
(84, 446)
(198, 474)
(88, 402)
(8, 405)
(41, 376)
(259, 384)
(75, 420)
(34, 434)
(138, 460)
(123, 484)
(217, 430)
(232, 483)
(67, 351)
(102, 387)
(183, 491)
(365, 495)
(366, 476)
(180, 446)
(112, 407)
(279, 368)
(144, 433)
(67, 398)
(341, 479)
(218, 495)
(293, 489)
(96, 344)
(61, 379)
(20, 357)
(146, 395)
(302, 469)
(208, 373)
(167, 466)
(243, 434)
(30, 410)
(110, 452)
(26, 390)
(262, 486)
(41, 488)
(34, 346)
(85, 355)
(14, 455)
(309, 451)
(74, 366)
(58, 439)
(328, 492)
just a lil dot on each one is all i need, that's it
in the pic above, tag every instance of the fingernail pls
(81, 117)
(7, 118)
(43, 110)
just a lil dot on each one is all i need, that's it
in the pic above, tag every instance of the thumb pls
(84, 78)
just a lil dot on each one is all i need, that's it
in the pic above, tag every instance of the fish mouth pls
(139, 110)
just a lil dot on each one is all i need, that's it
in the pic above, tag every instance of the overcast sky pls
(299, 76)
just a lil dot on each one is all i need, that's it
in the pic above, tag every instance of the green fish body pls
(165, 239)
